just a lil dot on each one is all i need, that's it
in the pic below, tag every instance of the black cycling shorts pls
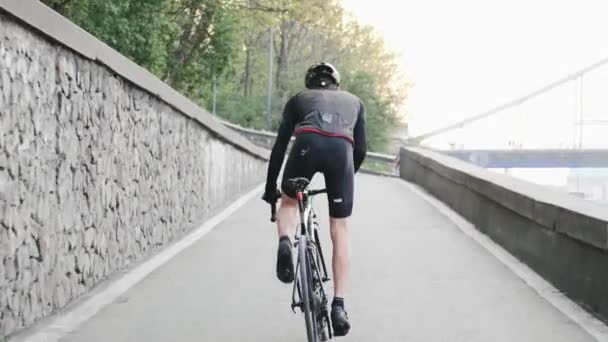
(332, 156)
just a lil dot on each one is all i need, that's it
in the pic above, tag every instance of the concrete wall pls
(100, 163)
(561, 237)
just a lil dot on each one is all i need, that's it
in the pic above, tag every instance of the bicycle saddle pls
(297, 184)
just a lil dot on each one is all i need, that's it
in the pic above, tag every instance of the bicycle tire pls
(322, 315)
(306, 284)
(320, 256)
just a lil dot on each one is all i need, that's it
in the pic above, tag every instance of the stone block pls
(25, 279)
(8, 323)
(83, 262)
(89, 237)
(23, 258)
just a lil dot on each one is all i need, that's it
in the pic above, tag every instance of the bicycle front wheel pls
(307, 290)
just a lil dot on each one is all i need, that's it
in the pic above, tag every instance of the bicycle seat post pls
(300, 198)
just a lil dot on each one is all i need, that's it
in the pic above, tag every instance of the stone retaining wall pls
(96, 171)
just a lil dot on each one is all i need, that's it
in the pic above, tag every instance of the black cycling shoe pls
(339, 320)
(285, 262)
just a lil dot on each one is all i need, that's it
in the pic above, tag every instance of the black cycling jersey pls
(328, 112)
(332, 112)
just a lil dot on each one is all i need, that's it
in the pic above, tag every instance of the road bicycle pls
(311, 273)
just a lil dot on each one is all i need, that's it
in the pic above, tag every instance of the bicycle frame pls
(308, 236)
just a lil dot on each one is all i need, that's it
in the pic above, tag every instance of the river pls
(587, 183)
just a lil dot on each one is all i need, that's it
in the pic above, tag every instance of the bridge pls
(128, 213)
(508, 122)
(540, 158)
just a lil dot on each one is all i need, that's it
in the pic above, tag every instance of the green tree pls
(205, 43)
(189, 43)
(140, 30)
(184, 42)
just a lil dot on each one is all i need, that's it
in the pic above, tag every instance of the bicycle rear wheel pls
(307, 291)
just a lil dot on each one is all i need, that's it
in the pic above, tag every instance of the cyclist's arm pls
(360, 137)
(280, 145)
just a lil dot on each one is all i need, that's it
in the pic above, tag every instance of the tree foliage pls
(188, 43)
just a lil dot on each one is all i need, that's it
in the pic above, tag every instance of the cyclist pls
(331, 138)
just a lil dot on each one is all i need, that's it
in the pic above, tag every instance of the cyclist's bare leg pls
(286, 223)
(341, 256)
(287, 217)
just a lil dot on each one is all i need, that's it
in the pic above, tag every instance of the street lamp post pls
(269, 94)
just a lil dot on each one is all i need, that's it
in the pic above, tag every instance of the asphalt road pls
(416, 277)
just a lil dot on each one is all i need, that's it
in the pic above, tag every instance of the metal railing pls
(377, 163)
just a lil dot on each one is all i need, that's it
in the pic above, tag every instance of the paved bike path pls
(415, 277)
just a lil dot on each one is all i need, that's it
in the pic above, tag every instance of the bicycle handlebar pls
(316, 192)
(273, 212)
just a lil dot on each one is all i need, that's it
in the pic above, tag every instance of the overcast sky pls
(467, 56)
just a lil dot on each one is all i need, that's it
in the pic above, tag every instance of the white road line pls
(585, 320)
(68, 321)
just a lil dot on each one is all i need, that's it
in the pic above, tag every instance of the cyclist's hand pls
(271, 196)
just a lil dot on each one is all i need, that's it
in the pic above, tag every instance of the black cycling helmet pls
(321, 71)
